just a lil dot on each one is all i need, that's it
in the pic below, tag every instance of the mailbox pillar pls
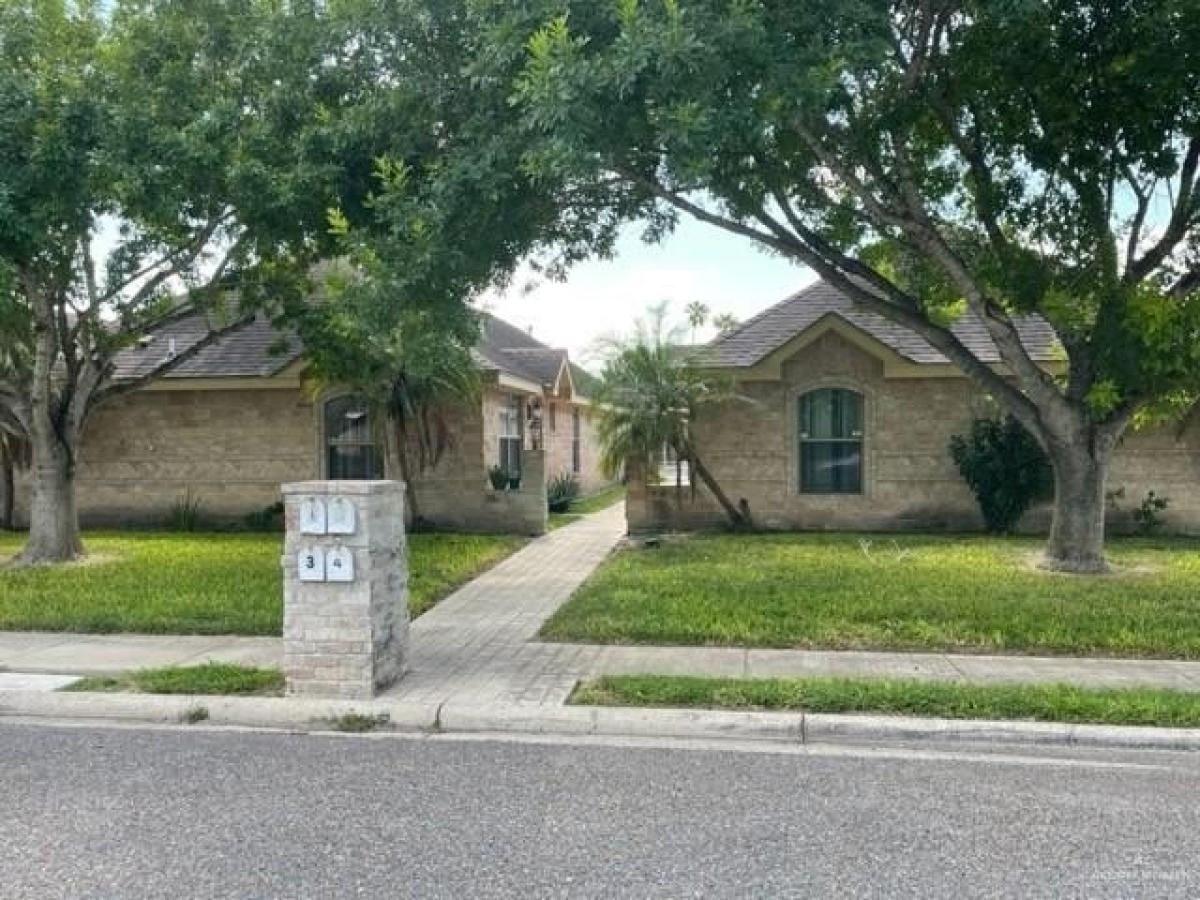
(345, 588)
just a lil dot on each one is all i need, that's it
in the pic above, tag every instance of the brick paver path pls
(478, 645)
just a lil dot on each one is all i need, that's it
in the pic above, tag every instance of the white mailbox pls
(310, 563)
(312, 516)
(339, 564)
(340, 516)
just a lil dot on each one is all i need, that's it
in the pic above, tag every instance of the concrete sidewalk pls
(107, 654)
(479, 647)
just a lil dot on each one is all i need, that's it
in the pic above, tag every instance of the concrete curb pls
(299, 714)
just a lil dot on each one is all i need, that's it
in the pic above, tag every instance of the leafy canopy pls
(1002, 157)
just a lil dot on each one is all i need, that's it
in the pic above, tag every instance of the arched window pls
(831, 442)
(350, 450)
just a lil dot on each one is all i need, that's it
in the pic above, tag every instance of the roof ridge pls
(721, 338)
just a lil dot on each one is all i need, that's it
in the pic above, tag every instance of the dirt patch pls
(1032, 562)
(84, 562)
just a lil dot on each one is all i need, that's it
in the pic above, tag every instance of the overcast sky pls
(698, 262)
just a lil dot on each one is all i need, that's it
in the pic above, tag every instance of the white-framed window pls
(351, 451)
(509, 430)
(552, 417)
(831, 442)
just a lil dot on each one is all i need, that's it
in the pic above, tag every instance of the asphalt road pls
(141, 813)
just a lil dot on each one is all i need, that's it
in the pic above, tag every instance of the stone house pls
(231, 423)
(844, 419)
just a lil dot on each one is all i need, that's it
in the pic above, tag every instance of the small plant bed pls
(967, 594)
(584, 506)
(210, 678)
(202, 583)
(1042, 703)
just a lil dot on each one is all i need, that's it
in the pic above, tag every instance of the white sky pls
(698, 262)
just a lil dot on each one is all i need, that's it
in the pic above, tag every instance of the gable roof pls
(259, 349)
(254, 349)
(505, 348)
(760, 336)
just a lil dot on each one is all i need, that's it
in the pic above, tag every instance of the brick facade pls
(230, 449)
(909, 480)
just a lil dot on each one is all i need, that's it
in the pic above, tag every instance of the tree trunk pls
(738, 517)
(7, 490)
(53, 519)
(400, 465)
(1077, 532)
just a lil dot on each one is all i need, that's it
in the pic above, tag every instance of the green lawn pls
(904, 592)
(1048, 703)
(165, 583)
(586, 505)
(209, 678)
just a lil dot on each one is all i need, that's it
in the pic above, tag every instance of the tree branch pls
(117, 388)
(1182, 216)
(835, 269)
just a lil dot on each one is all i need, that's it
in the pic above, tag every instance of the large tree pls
(150, 152)
(1005, 158)
(435, 208)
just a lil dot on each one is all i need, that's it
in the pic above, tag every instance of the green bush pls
(269, 518)
(185, 513)
(561, 492)
(1005, 468)
(498, 478)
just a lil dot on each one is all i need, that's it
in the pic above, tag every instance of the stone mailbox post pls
(345, 588)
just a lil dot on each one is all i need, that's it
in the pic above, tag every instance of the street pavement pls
(196, 812)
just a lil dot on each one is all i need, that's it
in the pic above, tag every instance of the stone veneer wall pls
(910, 480)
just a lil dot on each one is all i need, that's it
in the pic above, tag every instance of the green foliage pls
(1148, 515)
(208, 678)
(1005, 468)
(561, 492)
(959, 594)
(648, 393)
(269, 518)
(359, 723)
(185, 513)
(1044, 703)
(498, 478)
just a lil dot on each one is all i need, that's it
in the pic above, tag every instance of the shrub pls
(1148, 516)
(185, 513)
(561, 492)
(498, 478)
(1004, 467)
(269, 518)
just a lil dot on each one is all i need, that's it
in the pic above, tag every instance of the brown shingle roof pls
(250, 350)
(771, 329)
(258, 349)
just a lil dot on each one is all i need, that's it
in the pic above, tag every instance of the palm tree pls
(725, 323)
(697, 315)
(649, 395)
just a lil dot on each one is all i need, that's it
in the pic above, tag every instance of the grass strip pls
(584, 506)
(209, 678)
(1042, 702)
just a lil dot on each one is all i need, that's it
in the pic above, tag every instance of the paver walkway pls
(478, 644)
